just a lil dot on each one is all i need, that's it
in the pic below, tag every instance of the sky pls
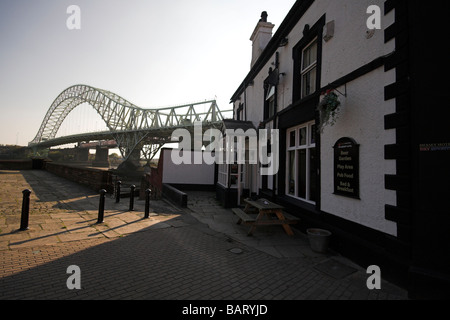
(152, 53)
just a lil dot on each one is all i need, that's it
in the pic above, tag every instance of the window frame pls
(305, 70)
(308, 146)
(310, 34)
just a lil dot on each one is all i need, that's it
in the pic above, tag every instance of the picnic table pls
(267, 213)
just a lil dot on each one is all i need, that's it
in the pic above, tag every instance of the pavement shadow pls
(156, 263)
(176, 263)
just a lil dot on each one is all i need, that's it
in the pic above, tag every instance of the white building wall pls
(362, 111)
(362, 114)
(196, 174)
(362, 118)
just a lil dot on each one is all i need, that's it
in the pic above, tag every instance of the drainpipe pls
(275, 122)
(245, 102)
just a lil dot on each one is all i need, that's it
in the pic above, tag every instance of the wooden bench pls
(290, 219)
(265, 217)
(243, 217)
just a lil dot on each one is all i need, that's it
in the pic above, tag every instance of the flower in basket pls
(329, 108)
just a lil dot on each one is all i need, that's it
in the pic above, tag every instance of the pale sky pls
(152, 53)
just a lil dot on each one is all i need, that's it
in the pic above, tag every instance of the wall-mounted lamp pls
(328, 31)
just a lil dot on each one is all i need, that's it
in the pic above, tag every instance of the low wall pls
(176, 196)
(96, 179)
(16, 164)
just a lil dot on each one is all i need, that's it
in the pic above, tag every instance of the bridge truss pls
(135, 130)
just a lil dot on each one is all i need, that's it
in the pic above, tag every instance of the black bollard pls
(132, 197)
(101, 207)
(25, 210)
(147, 203)
(118, 191)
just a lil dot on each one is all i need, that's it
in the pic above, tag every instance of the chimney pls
(261, 36)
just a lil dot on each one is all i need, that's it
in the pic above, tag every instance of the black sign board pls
(346, 168)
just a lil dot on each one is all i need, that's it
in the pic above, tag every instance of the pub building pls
(364, 144)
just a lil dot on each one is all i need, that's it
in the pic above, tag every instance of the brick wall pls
(95, 179)
(153, 180)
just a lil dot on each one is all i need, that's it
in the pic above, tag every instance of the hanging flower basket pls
(329, 109)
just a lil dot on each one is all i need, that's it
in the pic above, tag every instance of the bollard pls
(132, 197)
(147, 203)
(25, 210)
(101, 207)
(118, 191)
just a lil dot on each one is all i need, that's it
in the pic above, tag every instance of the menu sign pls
(346, 168)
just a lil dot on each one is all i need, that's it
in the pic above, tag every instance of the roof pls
(237, 124)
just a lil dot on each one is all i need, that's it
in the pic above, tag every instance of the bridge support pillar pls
(82, 155)
(101, 157)
(135, 157)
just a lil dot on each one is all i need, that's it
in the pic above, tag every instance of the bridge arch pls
(112, 108)
(132, 127)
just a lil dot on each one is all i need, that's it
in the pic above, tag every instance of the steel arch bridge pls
(133, 128)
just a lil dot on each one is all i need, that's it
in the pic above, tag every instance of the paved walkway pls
(198, 253)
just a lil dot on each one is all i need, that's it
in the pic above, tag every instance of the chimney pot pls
(261, 36)
(264, 16)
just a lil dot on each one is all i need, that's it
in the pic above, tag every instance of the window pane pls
(305, 85)
(270, 93)
(309, 82)
(271, 107)
(302, 173)
(313, 52)
(302, 136)
(309, 55)
(292, 139)
(291, 187)
(312, 174)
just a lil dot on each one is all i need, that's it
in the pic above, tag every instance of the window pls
(301, 174)
(228, 170)
(270, 101)
(239, 112)
(223, 174)
(309, 69)
(307, 55)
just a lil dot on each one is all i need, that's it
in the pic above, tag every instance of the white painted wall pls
(201, 174)
(362, 118)
(362, 113)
